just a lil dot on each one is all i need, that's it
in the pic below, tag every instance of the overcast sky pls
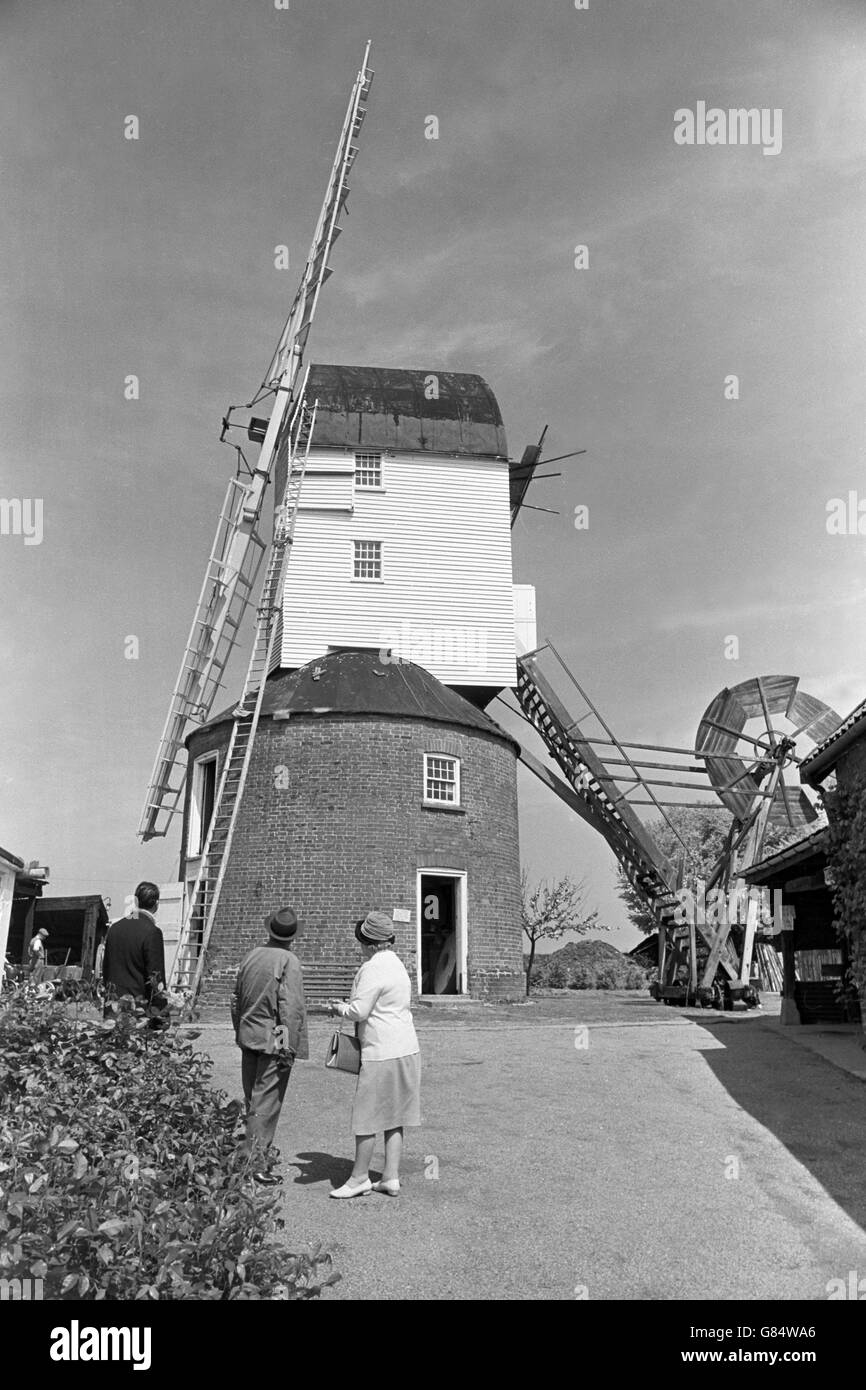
(156, 257)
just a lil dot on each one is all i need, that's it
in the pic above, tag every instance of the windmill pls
(236, 559)
(444, 457)
(744, 770)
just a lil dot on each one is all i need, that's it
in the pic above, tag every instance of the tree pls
(846, 874)
(549, 910)
(700, 835)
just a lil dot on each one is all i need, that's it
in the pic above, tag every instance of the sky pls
(155, 257)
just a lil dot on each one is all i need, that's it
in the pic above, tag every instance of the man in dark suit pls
(270, 1021)
(134, 959)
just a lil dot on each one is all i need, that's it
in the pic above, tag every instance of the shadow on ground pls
(817, 1111)
(320, 1167)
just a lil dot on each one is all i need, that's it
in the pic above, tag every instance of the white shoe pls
(390, 1186)
(347, 1191)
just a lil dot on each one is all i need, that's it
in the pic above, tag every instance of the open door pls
(442, 951)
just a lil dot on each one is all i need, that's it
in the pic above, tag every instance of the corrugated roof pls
(357, 682)
(407, 410)
(850, 725)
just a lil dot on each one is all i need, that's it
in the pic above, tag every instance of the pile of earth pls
(587, 965)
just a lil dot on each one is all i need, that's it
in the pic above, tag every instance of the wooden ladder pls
(204, 899)
(232, 570)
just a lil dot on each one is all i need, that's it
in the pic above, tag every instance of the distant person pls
(99, 957)
(133, 962)
(270, 1021)
(38, 956)
(388, 1093)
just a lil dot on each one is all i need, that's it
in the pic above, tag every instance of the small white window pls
(368, 560)
(368, 470)
(441, 779)
(201, 803)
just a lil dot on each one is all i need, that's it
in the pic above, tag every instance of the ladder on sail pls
(204, 899)
(646, 868)
(227, 591)
(593, 792)
(236, 556)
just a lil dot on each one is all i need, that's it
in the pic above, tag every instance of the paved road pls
(668, 1158)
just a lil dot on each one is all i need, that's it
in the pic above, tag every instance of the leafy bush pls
(557, 976)
(607, 977)
(846, 875)
(121, 1174)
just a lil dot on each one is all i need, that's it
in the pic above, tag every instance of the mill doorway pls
(442, 933)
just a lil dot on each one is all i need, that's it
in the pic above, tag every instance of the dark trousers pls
(264, 1086)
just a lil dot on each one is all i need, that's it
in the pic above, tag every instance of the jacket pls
(379, 1004)
(134, 957)
(269, 993)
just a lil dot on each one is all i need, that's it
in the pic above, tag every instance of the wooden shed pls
(73, 926)
(814, 955)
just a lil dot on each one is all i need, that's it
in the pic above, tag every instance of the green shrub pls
(557, 976)
(121, 1174)
(846, 875)
(622, 974)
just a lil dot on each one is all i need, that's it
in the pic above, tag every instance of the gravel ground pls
(657, 1155)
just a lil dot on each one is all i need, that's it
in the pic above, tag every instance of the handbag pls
(344, 1052)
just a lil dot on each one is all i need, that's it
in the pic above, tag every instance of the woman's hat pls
(376, 927)
(282, 925)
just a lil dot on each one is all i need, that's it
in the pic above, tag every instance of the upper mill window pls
(368, 470)
(368, 560)
(441, 780)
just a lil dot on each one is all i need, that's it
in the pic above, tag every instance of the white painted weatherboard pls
(445, 599)
(525, 635)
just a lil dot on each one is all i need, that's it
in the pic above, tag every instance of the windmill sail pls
(233, 567)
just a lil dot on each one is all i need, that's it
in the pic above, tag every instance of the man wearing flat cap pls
(270, 1022)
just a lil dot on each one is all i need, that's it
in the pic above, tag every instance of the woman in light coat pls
(388, 1094)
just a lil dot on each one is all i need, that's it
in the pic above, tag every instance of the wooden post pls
(88, 941)
(693, 960)
(28, 929)
(790, 1013)
(749, 939)
(717, 946)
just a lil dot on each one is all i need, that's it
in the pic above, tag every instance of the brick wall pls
(332, 824)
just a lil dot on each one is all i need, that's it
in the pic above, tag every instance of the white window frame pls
(195, 838)
(461, 923)
(438, 802)
(368, 579)
(359, 467)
